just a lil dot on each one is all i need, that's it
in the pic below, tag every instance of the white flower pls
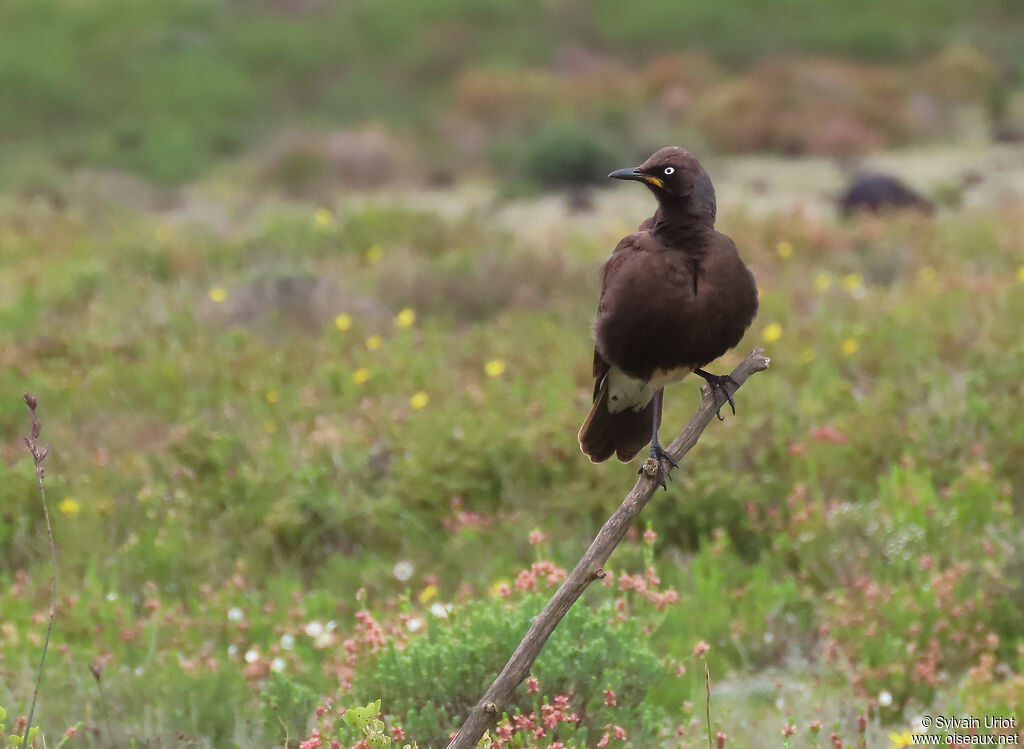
(917, 725)
(440, 610)
(232, 651)
(287, 642)
(314, 629)
(111, 596)
(324, 640)
(415, 624)
(252, 655)
(403, 571)
(235, 614)
(277, 665)
(885, 699)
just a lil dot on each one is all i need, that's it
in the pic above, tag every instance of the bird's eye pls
(669, 169)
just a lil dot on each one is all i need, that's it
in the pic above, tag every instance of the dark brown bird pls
(675, 296)
(875, 193)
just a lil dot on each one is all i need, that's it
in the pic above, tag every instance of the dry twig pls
(496, 698)
(38, 456)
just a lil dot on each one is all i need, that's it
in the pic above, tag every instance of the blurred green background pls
(305, 291)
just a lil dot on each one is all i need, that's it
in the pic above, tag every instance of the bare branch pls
(589, 568)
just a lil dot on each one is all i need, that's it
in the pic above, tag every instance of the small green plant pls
(366, 723)
(15, 739)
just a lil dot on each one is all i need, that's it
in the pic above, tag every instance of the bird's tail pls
(624, 433)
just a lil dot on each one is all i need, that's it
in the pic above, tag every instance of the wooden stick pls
(589, 568)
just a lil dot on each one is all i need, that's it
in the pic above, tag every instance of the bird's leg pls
(658, 453)
(719, 382)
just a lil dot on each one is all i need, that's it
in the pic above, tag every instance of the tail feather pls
(623, 434)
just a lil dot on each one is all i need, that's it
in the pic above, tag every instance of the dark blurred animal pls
(875, 193)
(675, 295)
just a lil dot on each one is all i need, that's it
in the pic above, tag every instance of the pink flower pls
(533, 685)
(609, 697)
(313, 742)
(700, 649)
(526, 580)
(603, 742)
(650, 536)
(525, 722)
(788, 730)
(537, 538)
(620, 733)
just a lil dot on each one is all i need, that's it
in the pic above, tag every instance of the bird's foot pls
(654, 467)
(719, 382)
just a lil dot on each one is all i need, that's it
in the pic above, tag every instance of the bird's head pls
(676, 177)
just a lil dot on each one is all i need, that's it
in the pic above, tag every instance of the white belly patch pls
(626, 392)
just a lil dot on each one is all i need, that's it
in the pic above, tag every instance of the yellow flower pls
(163, 233)
(343, 321)
(784, 250)
(273, 396)
(374, 342)
(495, 368)
(361, 376)
(419, 400)
(853, 280)
(1020, 274)
(69, 506)
(374, 254)
(405, 318)
(772, 333)
(901, 739)
(822, 281)
(218, 294)
(850, 346)
(269, 427)
(323, 217)
(427, 593)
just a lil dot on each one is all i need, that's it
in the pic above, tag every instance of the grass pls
(211, 80)
(227, 483)
(315, 451)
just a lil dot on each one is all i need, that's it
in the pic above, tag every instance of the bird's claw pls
(719, 382)
(657, 472)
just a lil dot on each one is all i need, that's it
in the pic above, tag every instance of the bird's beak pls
(635, 174)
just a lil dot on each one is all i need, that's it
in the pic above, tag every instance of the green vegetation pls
(270, 456)
(169, 89)
(314, 464)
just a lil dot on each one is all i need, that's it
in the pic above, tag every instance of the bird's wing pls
(619, 255)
